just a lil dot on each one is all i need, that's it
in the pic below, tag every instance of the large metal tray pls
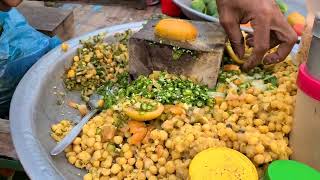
(34, 109)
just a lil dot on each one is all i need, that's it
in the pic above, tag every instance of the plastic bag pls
(20, 47)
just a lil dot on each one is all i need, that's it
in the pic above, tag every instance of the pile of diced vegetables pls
(249, 112)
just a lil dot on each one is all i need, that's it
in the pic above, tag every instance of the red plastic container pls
(169, 8)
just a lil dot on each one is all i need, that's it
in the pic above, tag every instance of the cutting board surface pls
(211, 36)
(148, 53)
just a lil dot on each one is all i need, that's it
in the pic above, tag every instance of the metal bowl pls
(34, 109)
(196, 15)
(185, 6)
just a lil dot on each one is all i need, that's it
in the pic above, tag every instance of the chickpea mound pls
(254, 121)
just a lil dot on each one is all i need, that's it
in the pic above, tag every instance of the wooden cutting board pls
(148, 53)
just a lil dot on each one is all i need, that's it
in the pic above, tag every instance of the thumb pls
(233, 31)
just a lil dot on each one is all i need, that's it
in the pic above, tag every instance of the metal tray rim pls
(22, 109)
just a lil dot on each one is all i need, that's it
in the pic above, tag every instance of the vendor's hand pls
(6, 5)
(270, 29)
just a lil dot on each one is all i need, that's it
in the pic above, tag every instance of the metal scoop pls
(68, 139)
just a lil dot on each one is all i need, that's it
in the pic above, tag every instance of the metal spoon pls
(68, 139)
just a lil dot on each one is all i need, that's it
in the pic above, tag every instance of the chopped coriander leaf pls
(245, 85)
(162, 87)
(272, 80)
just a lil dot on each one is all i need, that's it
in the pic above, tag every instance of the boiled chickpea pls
(172, 177)
(84, 156)
(274, 146)
(121, 160)
(259, 159)
(128, 154)
(163, 135)
(162, 161)
(96, 155)
(147, 163)
(90, 142)
(115, 169)
(118, 139)
(71, 154)
(272, 126)
(68, 149)
(105, 154)
(263, 129)
(91, 132)
(131, 161)
(152, 178)
(96, 163)
(170, 167)
(139, 164)
(90, 150)
(153, 169)
(97, 145)
(125, 148)
(224, 106)
(162, 171)
(88, 177)
(278, 127)
(141, 176)
(106, 163)
(98, 138)
(148, 174)
(77, 148)
(259, 148)
(286, 129)
(79, 164)
(72, 159)
(258, 122)
(249, 98)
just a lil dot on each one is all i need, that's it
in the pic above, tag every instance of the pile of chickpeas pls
(60, 130)
(255, 123)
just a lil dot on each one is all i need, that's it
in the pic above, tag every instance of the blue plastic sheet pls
(20, 47)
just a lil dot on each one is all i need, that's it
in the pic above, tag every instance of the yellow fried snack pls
(247, 53)
(176, 29)
(235, 58)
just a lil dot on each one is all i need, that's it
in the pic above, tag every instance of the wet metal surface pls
(35, 107)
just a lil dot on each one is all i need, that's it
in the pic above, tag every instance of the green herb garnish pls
(272, 80)
(162, 87)
(178, 52)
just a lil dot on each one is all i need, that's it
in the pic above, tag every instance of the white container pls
(305, 135)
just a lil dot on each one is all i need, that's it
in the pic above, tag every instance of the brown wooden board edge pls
(6, 144)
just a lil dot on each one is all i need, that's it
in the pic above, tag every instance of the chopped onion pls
(259, 84)
(233, 86)
(248, 78)
(216, 94)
